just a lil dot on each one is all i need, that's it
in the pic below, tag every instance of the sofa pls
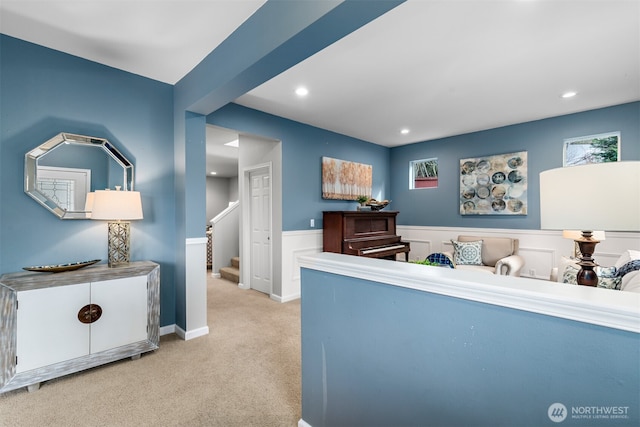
(496, 255)
(624, 275)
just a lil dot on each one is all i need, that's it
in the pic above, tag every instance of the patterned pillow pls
(632, 265)
(607, 277)
(441, 259)
(467, 253)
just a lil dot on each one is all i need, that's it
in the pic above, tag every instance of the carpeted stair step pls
(232, 273)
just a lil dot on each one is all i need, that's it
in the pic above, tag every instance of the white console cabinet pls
(54, 324)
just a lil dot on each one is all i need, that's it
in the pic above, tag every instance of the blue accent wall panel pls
(195, 198)
(543, 141)
(381, 355)
(45, 92)
(303, 147)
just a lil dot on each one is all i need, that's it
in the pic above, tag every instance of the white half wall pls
(196, 288)
(295, 244)
(542, 250)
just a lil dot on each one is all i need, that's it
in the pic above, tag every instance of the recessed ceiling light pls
(569, 94)
(213, 173)
(302, 91)
(233, 143)
(404, 131)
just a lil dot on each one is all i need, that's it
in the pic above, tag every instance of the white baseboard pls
(166, 330)
(303, 423)
(180, 332)
(287, 298)
(243, 286)
(196, 333)
(189, 335)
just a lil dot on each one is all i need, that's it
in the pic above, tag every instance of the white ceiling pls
(139, 36)
(443, 68)
(437, 67)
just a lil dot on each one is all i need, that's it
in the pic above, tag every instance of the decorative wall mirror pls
(60, 173)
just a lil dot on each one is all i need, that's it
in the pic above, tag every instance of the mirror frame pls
(31, 170)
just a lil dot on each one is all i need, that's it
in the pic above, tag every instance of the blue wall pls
(303, 147)
(381, 355)
(45, 92)
(543, 141)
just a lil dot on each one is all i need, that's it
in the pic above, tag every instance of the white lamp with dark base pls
(600, 196)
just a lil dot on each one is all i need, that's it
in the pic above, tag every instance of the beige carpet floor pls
(246, 372)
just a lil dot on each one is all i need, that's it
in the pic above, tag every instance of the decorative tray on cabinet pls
(58, 268)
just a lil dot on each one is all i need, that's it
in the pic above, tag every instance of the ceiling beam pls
(279, 35)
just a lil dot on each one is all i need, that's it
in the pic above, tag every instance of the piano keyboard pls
(381, 249)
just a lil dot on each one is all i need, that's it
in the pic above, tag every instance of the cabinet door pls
(124, 312)
(48, 329)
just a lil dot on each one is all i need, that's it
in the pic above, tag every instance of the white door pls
(260, 231)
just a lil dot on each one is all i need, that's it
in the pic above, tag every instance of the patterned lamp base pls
(119, 243)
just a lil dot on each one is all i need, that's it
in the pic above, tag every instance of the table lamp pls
(118, 207)
(576, 235)
(599, 196)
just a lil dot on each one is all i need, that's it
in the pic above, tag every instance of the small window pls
(601, 148)
(423, 174)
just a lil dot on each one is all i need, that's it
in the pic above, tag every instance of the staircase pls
(232, 273)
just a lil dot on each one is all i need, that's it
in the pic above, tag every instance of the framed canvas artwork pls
(494, 185)
(344, 180)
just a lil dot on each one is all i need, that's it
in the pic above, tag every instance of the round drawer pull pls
(89, 313)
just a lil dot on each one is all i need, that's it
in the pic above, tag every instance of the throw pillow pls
(607, 277)
(467, 253)
(569, 275)
(564, 263)
(632, 265)
(628, 255)
(441, 259)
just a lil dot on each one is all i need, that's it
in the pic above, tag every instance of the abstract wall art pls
(494, 185)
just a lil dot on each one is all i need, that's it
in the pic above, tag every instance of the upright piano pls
(363, 233)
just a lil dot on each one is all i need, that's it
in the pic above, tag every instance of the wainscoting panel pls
(538, 261)
(295, 244)
(541, 249)
(420, 249)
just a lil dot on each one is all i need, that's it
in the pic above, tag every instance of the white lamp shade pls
(577, 235)
(116, 205)
(600, 196)
(88, 204)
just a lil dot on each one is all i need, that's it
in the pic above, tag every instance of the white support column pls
(196, 287)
